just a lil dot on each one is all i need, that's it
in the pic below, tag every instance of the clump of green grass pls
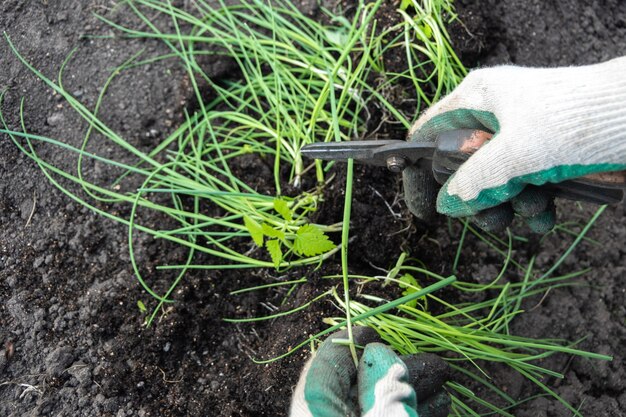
(466, 334)
(299, 86)
(472, 333)
(302, 81)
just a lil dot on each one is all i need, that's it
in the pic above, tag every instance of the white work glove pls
(549, 125)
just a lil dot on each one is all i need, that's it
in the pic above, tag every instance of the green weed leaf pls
(311, 241)
(141, 306)
(273, 247)
(255, 230)
(406, 281)
(283, 209)
(409, 283)
(427, 30)
(405, 4)
(269, 231)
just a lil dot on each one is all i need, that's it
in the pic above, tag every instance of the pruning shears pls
(448, 152)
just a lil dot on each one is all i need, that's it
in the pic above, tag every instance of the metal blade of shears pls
(394, 154)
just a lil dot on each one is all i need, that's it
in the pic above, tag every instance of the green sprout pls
(142, 307)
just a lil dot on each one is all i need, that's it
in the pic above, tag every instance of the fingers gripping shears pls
(448, 152)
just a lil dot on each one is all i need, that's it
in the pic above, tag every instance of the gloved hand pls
(384, 385)
(549, 124)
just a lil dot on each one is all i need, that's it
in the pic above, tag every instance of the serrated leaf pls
(271, 232)
(255, 230)
(283, 209)
(311, 241)
(406, 281)
(427, 30)
(404, 4)
(411, 286)
(273, 247)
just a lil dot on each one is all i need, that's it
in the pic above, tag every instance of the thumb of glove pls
(323, 389)
(384, 389)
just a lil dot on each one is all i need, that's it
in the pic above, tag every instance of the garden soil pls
(72, 339)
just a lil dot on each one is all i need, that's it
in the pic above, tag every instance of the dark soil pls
(70, 327)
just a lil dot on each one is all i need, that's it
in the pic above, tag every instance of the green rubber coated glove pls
(383, 386)
(549, 125)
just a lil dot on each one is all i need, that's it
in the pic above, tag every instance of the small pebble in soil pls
(59, 360)
(38, 262)
(54, 119)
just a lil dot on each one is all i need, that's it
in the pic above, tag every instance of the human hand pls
(383, 385)
(549, 125)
